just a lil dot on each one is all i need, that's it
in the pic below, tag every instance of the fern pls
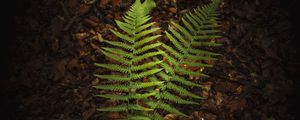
(151, 74)
(194, 31)
(131, 51)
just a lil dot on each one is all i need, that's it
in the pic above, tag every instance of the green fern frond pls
(114, 96)
(180, 37)
(125, 37)
(138, 108)
(114, 67)
(189, 72)
(120, 44)
(168, 96)
(126, 97)
(145, 85)
(173, 52)
(196, 64)
(142, 27)
(144, 66)
(170, 59)
(188, 25)
(145, 32)
(116, 58)
(164, 76)
(156, 116)
(146, 48)
(146, 55)
(167, 68)
(118, 51)
(202, 52)
(146, 40)
(206, 37)
(114, 109)
(176, 43)
(183, 31)
(164, 106)
(143, 78)
(206, 44)
(153, 79)
(182, 91)
(184, 81)
(142, 96)
(144, 74)
(138, 117)
(193, 20)
(120, 78)
(124, 107)
(124, 88)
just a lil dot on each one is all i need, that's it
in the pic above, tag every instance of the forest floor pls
(56, 43)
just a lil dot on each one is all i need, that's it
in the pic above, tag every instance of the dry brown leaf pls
(103, 3)
(170, 117)
(72, 4)
(219, 98)
(83, 8)
(72, 64)
(236, 105)
(81, 36)
(114, 115)
(91, 22)
(87, 114)
(116, 3)
(173, 10)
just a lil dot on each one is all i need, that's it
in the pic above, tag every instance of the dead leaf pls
(116, 3)
(170, 117)
(83, 8)
(114, 115)
(91, 22)
(87, 114)
(72, 4)
(103, 3)
(236, 105)
(72, 64)
(219, 98)
(173, 10)
(81, 36)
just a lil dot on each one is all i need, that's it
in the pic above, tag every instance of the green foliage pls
(151, 75)
(195, 30)
(132, 48)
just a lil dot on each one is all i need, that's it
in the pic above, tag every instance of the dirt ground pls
(54, 43)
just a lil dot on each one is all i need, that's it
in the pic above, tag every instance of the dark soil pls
(53, 44)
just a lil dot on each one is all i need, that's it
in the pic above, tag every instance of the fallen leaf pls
(114, 115)
(72, 4)
(87, 114)
(83, 8)
(170, 117)
(81, 36)
(103, 3)
(91, 22)
(173, 10)
(116, 3)
(236, 105)
(219, 98)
